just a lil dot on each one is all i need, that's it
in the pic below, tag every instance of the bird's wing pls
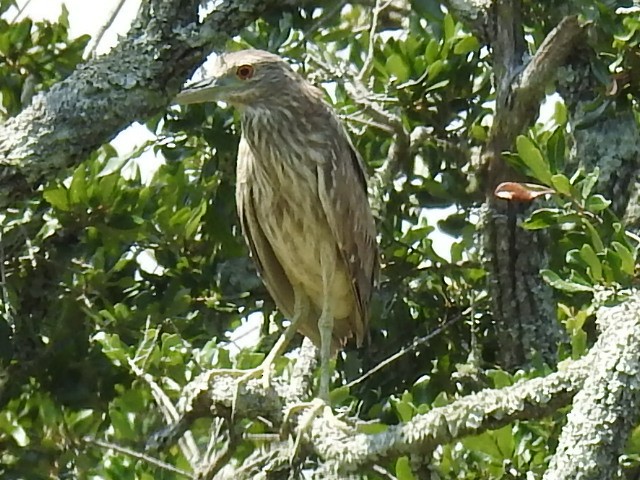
(342, 187)
(265, 259)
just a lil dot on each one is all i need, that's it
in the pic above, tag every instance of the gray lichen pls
(607, 407)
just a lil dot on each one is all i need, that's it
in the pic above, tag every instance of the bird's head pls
(241, 78)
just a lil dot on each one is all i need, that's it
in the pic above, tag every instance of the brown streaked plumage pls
(301, 198)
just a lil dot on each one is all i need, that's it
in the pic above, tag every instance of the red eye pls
(244, 72)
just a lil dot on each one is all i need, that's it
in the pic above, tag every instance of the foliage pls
(118, 281)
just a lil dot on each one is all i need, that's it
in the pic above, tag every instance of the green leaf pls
(556, 282)
(542, 218)
(78, 187)
(556, 149)
(432, 51)
(597, 203)
(246, 360)
(466, 45)
(397, 67)
(403, 469)
(478, 132)
(339, 395)
(483, 443)
(371, 428)
(578, 343)
(627, 260)
(112, 346)
(591, 259)
(596, 241)
(589, 182)
(435, 68)
(505, 441)
(404, 408)
(533, 159)
(561, 184)
(449, 27)
(500, 378)
(58, 198)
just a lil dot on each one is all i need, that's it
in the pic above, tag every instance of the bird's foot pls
(263, 370)
(309, 412)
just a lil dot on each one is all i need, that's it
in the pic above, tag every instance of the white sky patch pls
(86, 17)
(132, 138)
(548, 109)
(246, 335)
(147, 262)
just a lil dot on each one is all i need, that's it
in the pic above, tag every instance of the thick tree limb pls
(608, 406)
(515, 256)
(341, 444)
(475, 14)
(607, 370)
(136, 80)
(523, 91)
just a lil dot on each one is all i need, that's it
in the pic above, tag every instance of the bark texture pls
(607, 407)
(523, 306)
(134, 81)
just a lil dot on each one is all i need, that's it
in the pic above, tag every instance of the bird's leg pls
(325, 323)
(321, 405)
(300, 310)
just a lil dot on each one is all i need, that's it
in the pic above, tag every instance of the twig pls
(403, 351)
(384, 472)
(20, 10)
(95, 41)
(324, 19)
(140, 456)
(187, 443)
(212, 464)
(372, 37)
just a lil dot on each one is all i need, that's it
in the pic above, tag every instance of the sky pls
(86, 16)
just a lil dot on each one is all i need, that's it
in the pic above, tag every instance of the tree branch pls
(339, 443)
(134, 81)
(476, 15)
(607, 407)
(526, 90)
(342, 447)
(523, 304)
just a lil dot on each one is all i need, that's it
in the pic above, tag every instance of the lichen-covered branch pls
(608, 406)
(341, 445)
(134, 81)
(473, 414)
(605, 410)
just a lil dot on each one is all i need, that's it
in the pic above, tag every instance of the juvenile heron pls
(302, 201)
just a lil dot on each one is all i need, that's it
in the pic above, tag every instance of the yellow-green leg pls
(325, 324)
(300, 310)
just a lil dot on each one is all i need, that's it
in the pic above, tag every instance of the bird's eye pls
(244, 72)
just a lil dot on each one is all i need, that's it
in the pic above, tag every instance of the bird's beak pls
(206, 90)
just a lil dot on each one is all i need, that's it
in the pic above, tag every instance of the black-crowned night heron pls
(302, 201)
